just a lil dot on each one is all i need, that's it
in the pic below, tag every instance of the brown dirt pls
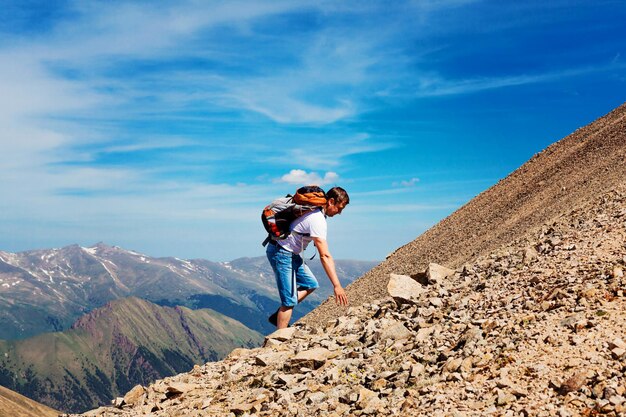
(13, 404)
(564, 176)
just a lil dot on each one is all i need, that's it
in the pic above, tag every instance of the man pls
(294, 279)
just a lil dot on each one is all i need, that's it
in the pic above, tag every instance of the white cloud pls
(301, 177)
(410, 183)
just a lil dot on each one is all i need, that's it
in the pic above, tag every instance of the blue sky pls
(165, 127)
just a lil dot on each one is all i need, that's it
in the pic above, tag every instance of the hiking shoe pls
(273, 319)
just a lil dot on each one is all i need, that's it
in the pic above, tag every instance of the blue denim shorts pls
(291, 274)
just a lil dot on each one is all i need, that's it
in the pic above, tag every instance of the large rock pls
(437, 273)
(281, 335)
(134, 395)
(404, 289)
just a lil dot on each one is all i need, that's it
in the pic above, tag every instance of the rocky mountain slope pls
(565, 175)
(530, 320)
(47, 290)
(108, 351)
(534, 328)
(13, 404)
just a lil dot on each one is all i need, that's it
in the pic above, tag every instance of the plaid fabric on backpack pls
(279, 214)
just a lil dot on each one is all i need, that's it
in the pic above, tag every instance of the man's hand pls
(341, 297)
(329, 267)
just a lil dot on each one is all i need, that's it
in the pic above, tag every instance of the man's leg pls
(282, 264)
(305, 280)
(284, 313)
(302, 294)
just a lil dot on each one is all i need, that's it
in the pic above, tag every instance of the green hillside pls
(107, 352)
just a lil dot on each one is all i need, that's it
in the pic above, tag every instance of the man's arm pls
(329, 266)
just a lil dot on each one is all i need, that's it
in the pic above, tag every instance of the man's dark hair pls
(339, 194)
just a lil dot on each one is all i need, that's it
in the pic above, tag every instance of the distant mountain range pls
(113, 348)
(47, 290)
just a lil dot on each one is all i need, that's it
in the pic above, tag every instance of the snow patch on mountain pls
(91, 251)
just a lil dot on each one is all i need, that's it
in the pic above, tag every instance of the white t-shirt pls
(313, 224)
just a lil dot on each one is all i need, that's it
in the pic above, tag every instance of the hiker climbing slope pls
(306, 213)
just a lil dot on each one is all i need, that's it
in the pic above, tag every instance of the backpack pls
(277, 216)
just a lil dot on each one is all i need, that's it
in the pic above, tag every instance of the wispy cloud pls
(434, 86)
(406, 183)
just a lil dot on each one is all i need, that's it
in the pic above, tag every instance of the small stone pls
(271, 343)
(618, 353)
(563, 412)
(504, 382)
(316, 398)
(453, 365)
(289, 380)
(467, 364)
(272, 358)
(589, 293)
(313, 358)
(555, 241)
(617, 343)
(241, 408)
(366, 397)
(436, 302)
(379, 384)
(176, 388)
(504, 398)
(518, 391)
(570, 322)
(530, 254)
(425, 333)
(489, 325)
(573, 383)
(604, 406)
(484, 360)
(396, 331)
(417, 370)
(546, 305)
